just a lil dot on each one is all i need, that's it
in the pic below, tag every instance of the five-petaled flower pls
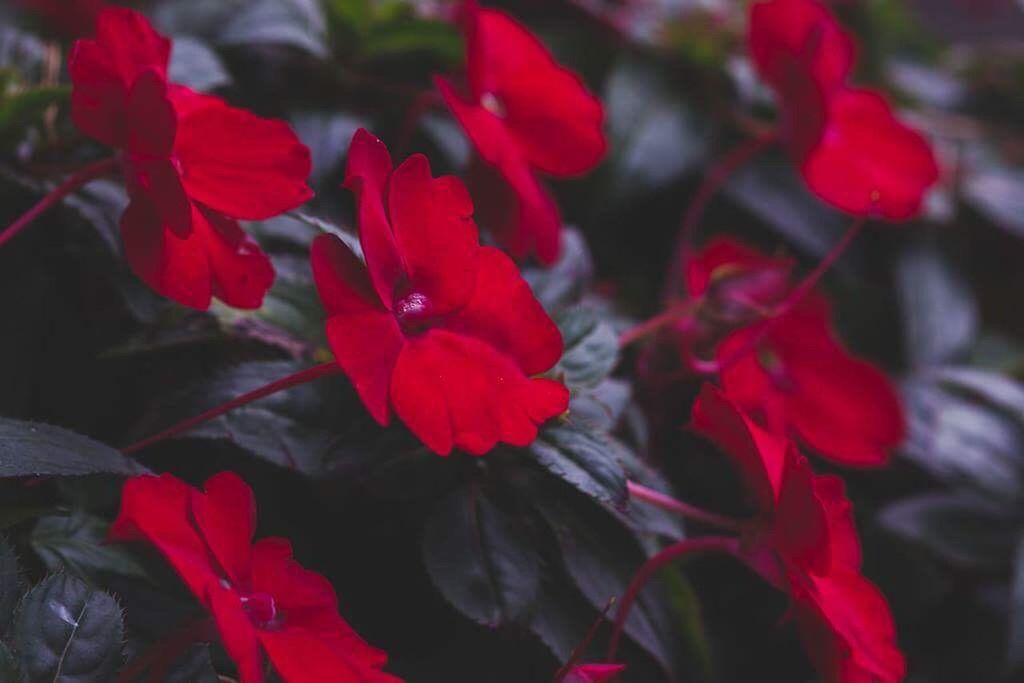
(852, 150)
(259, 596)
(803, 541)
(193, 166)
(800, 381)
(434, 326)
(524, 113)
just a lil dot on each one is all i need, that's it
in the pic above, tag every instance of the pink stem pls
(650, 568)
(791, 301)
(715, 178)
(301, 377)
(693, 512)
(652, 325)
(77, 180)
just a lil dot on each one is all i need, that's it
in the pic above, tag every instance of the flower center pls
(413, 312)
(262, 610)
(491, 103)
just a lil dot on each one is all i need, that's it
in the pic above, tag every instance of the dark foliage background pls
(492, 569)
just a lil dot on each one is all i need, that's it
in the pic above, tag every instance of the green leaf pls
(602, 406)
(195, 666)
(591, 348)
(961, 529)
(65, 631)
(586, 459)
(196, 65)
(407, 35)
(11, 585)
(21, 108)
(327, 135)
(564, 282)
(480, 559)
(76, 542)
(8, 665)
(1015, 646)
(33, 449)
(296, 23)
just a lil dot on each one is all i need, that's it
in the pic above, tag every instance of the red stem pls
(650, 568)
(640, 492)
(300, 377)
(75, 181)
(158, 658)
(791, 301)
(652, 325)
(714, 179)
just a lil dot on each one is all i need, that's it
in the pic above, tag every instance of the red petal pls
(548, 112)
(867, 162)
(276, 573)
(801, 533)
(366, 174)
(455, 391)
(237, 633)
(225, 514)
(98, 98)
(177, 268)
(242, 273)
(831, 493)
(158, 180)
(363, 334)
(435, 234)
(799, 35)
(156, 509)
(151, 118)
(724, 257)
(299, 656)
(506, 315)
(240, 164)
(132, 43)
(594, 673)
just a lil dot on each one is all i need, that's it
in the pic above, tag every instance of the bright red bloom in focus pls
(259, 596)
(73, 18)
(801, 381)
(434, 326)
(852, 150)
(193, 166)
(594, 673)
(524, 113)
(804, 542)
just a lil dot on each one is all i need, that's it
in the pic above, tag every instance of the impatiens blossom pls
(433, 326)
(260, 598)
(524, 114)
(851, 149)
(804, 541)
(594, 673)
(193, 165)
(800, 381)
(72, 18)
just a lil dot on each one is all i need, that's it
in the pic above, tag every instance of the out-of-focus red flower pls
(524, 113)
(852, 150)
(804, 542)
(193, 166)
(800, 381)
(594, 673)
(72, 18)
(434, 326)
(260, 598)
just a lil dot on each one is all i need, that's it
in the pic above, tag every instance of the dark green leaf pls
(480, 559)
(1015, 646)
(8, 665)
(76, 542)
(67, 632)
(410, 35)
(194, 666)
(959, 528)
(296, 23)
(939, 312)
(996, 389)
(586, 459)
(602, 406)
(197, 65)
(33, 449)
(563, 283)
(327, 135)
(591, 348)
(11, 585)
(24, 107)
(23, 51)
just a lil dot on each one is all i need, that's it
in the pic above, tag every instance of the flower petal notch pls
(441, 331)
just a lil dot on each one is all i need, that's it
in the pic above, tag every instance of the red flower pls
(259, 596)
(852, 150)
(801, 381)
(594, 673)
(193, 166)
(804, 542)
(72, 18)
(434, 326)
(524, 113)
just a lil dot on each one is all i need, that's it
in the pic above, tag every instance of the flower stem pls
(650, 326)
(795, 297)
(715, 178)
(300, 377)
(693, 512)
(158, 658)
(650, 568)
(75, 181)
